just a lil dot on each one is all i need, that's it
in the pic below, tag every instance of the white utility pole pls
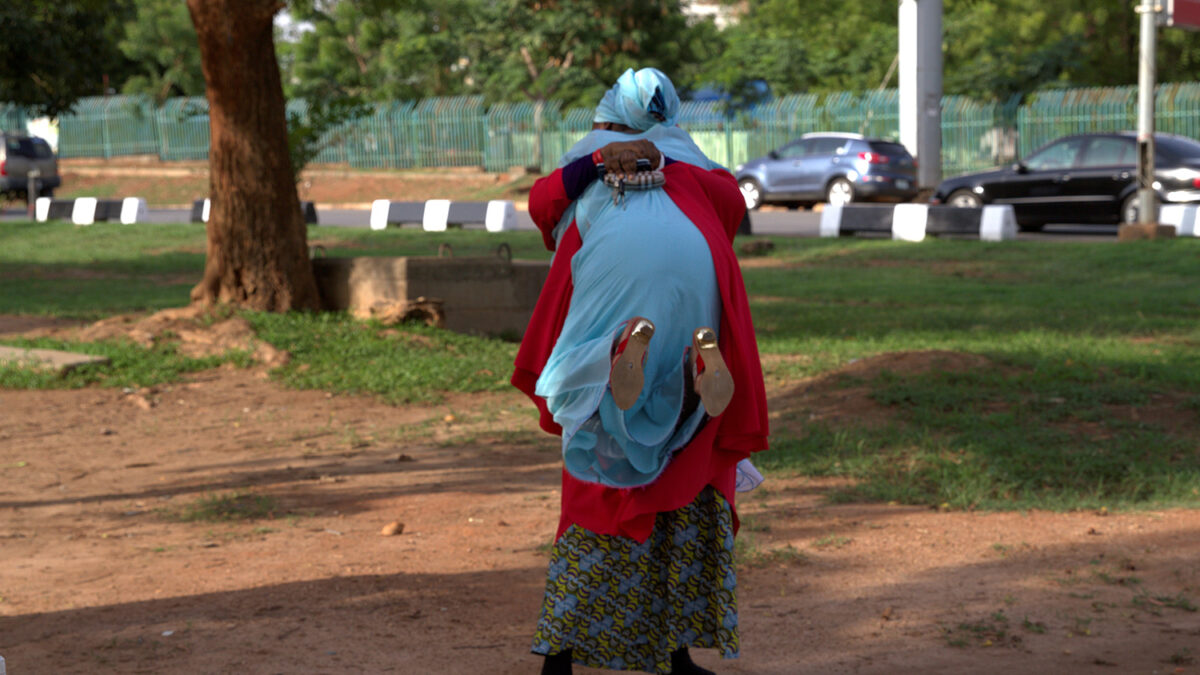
(921, 86)
(1147, 197)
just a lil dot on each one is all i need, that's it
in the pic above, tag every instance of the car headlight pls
(739, 167)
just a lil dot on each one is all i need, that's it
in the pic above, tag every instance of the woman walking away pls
(641, 355)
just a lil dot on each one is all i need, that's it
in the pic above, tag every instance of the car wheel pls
(46, 192)
(839, 192)
(964, 199)
(751, 192)
(1129, 209)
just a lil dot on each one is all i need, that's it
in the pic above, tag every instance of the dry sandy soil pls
(178, 183)
(99, 574)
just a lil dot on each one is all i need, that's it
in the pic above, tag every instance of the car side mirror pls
(1018, 167)
(773, 154)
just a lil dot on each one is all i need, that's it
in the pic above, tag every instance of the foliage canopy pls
(572, 50)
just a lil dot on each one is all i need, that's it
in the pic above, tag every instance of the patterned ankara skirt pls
(621, 605)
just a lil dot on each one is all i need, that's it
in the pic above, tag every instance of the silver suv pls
(21, 155)
(836, 168)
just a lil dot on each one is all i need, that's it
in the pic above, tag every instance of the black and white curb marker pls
(1182, 217)
(435, 215)
(913, 222)
(386, 212)
(201, 208)
(88, 210)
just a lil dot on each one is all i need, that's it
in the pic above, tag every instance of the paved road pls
(797, 223)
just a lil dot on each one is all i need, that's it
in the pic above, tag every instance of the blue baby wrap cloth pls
(640, 258)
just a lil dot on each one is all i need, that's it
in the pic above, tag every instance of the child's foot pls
(626, 377)
(710, 375)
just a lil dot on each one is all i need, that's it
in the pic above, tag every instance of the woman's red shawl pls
(712, 201)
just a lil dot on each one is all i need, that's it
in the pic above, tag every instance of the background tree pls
(997, 49)
(257, 241)
(379, 50)
(573, 50)
(161, 40)
(993, 48)
(850, 46)
(53, 52)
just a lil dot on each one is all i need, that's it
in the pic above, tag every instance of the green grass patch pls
(220, 508)
(58, 269)
(747, 553)
(1073, 339)
(1077, 335)
(411, 363)
(131, 365)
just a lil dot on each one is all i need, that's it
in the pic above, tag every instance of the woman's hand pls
(621, 157)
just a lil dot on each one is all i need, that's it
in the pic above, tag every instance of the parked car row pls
(1085, 178)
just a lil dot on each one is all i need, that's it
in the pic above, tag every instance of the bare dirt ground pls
(98, 573)
(178, 183)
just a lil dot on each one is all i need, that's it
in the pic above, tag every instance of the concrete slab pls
(49, 359)
(485, 294)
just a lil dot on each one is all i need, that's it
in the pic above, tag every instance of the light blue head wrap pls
(640, 99)
(637, 100)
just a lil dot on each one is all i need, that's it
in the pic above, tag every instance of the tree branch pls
(529, 62)
(358, 57)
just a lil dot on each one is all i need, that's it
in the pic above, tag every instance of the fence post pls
(104, 133)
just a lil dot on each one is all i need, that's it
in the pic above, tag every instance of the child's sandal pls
(710, 375)
(627, 377)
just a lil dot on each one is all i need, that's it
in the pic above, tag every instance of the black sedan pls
(1088, 178)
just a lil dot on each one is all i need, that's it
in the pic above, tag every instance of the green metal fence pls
(977, 135)
(772, 124)
(1177, 109)
(1055, 113)
(105, 126)
(13, 117)
(182, 125)
(462, 131)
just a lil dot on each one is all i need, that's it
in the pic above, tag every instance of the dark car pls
(1087, 178)
(831, 167)
(19, 155)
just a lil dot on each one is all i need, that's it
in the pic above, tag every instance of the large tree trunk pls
(257, 239)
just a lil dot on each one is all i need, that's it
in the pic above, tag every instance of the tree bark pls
(257, 239)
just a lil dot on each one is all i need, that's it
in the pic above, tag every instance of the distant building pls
(722, 13)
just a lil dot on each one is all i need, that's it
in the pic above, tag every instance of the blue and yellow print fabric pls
(623, 605)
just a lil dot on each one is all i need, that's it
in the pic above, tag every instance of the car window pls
(1175, 149)
(827, 146)
(888, 148)
(1109, 151)
(41, 149)
(791, 150)
(27, 147)
(1060, 155)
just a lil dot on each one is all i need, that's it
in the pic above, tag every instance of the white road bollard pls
(501, 216)
(908, 222)
(84, 211)
(437, 213)
(379, 213)
(998, 223)
(133, 210)
(831, 220)
(41, 211)
(1182, 217)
